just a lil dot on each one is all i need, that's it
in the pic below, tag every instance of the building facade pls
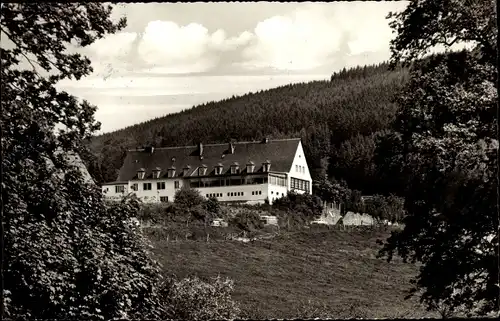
(243, 172)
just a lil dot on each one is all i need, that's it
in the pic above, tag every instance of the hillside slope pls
(324, 114)
(308, 274)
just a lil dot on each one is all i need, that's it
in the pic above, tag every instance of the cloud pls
(221, 42)
(114, 46)
(112, 53)
(305, 38)
(163, 47)
(171, 48)
(311, 35)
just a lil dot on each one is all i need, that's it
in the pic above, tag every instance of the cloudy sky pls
(172, 56)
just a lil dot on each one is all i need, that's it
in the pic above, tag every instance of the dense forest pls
(338, 121)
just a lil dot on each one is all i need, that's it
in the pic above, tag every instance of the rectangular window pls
(176, 184)
(253, 193)
(242, 193)
(260, 192)
(164, 199)
(134, 187)
(296, 168)
(299, 184)
(160, 185)
(146, 186)
(119, 189)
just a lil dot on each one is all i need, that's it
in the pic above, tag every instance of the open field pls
(314, 273)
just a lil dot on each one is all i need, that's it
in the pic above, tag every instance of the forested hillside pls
(336, 119)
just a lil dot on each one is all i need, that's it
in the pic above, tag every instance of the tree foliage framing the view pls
(66, 253)
(446, 149)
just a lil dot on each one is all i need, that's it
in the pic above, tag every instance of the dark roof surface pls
(116, 183)
(279, 152)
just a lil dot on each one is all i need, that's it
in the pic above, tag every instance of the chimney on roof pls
(231, 148)
(200, 149)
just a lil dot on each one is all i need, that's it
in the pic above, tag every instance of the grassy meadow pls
(310, 273)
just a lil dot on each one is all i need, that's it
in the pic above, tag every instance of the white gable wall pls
(296, 172)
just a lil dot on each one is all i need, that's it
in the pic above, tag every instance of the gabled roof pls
(279, 152)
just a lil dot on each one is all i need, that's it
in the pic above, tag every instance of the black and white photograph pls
(250, 160)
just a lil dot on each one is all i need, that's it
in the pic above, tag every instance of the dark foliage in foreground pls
(444, 153)
(67, 254)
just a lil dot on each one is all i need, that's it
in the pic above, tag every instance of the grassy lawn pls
(314, 273)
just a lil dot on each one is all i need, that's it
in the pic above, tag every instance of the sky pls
(173, 56)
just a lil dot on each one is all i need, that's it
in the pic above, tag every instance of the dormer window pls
(250, 167)
(156, 172)
(218, 169)
(185, 170)
(202, 170)
(140, 173)
(235, 168)
(171, 171)
(266, 166)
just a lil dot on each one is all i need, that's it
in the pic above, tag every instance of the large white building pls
(247, 172)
